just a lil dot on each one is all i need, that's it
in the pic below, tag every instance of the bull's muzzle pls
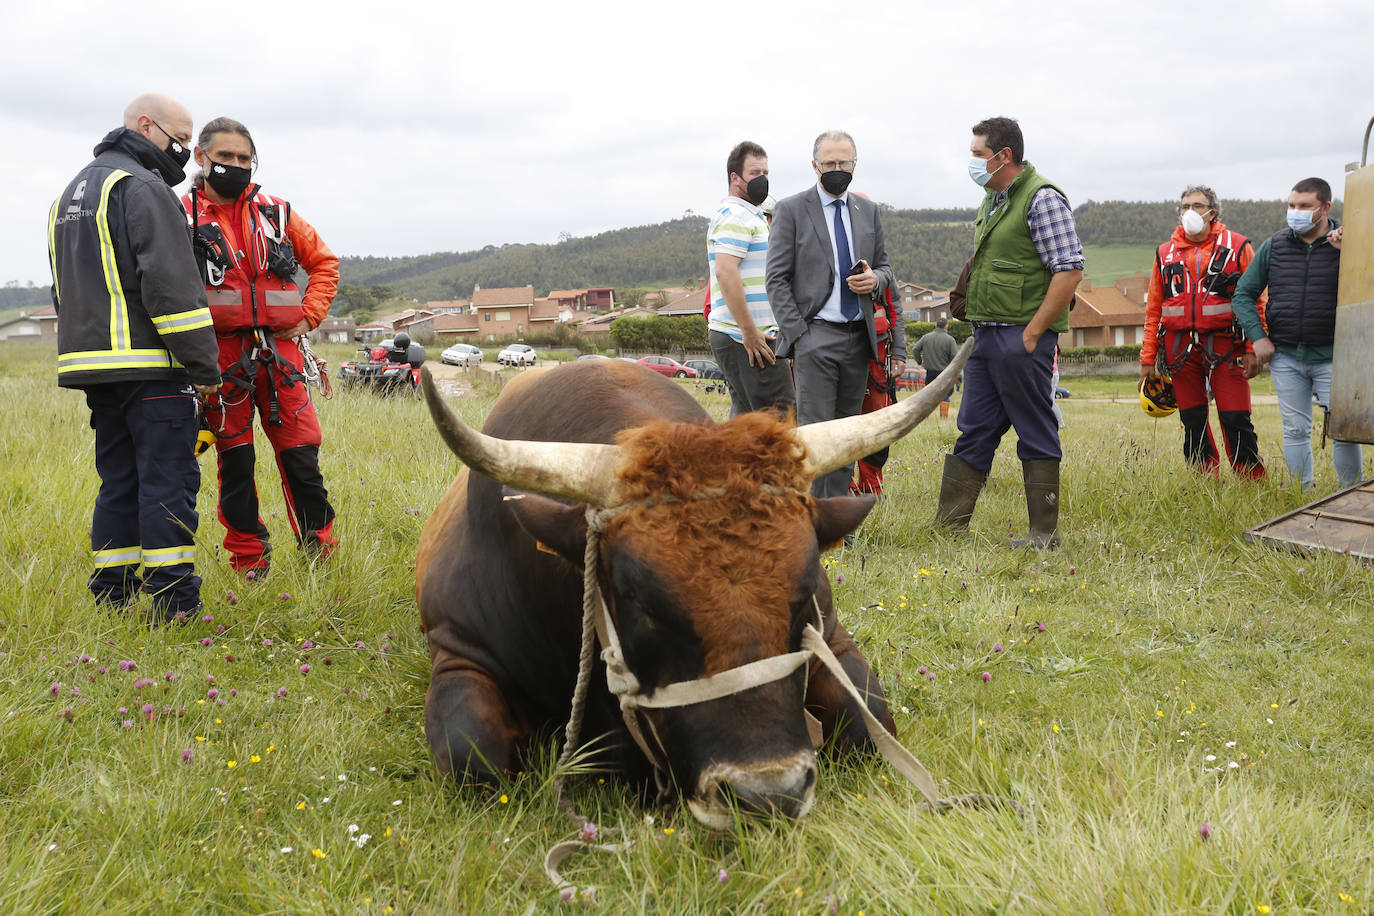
(785, 787)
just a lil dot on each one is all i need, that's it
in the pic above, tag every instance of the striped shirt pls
(739, 229)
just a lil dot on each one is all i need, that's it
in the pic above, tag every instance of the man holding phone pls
(827, 261)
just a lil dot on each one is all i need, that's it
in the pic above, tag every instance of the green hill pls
(928, 246)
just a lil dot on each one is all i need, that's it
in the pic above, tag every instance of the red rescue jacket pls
(238, 246)
(1191, 285)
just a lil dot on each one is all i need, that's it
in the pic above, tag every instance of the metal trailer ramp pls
(1342, 522)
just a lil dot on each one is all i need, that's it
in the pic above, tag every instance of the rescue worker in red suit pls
(881, 391)
(1190, 333)
(249, 244)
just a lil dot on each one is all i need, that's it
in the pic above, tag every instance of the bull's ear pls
(836, 516)
(559, 527)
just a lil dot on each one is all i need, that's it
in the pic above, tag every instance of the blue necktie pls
(849, 302)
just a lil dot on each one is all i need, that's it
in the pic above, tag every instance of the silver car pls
(462, 355)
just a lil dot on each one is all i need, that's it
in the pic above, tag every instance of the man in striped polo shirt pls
(741, 323)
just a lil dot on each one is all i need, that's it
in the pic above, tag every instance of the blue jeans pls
(1294, 383)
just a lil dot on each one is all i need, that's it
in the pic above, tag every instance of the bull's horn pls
(835, 443)
(583, 471)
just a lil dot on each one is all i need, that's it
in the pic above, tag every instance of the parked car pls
(1061, 392)
(912, 380)
(517, 355)
(592, 356)
(706, 368)
(665, 366)
(461, 354)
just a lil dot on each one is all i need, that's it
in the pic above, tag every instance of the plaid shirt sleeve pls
(1052, 230)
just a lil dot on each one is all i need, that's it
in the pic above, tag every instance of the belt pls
(843, 325)
(996, 324)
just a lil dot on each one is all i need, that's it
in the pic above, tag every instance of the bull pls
(710, 561)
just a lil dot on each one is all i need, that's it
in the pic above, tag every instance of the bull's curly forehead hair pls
(683, 460)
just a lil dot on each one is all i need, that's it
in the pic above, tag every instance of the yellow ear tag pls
(545, 548)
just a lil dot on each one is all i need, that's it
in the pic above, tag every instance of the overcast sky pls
(402, 128)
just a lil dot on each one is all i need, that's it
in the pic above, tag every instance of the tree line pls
(928, 246)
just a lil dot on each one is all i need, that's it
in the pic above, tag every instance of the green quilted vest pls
(1008, 282)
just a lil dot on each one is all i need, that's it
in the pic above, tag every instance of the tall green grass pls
(1136, 665)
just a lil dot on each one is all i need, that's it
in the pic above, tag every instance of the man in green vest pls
(1027, 261)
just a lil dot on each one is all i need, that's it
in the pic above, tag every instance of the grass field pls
(1108, 263)
(1186, 714)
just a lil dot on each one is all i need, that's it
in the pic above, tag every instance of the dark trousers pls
(145, 513)
(831, 365)
(1006, 387)
(753, 387)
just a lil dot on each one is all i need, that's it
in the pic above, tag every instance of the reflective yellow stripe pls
(119, 309)
(52, 246)
(183, 321)
(169, 556)
(116, 556)
(86, 360)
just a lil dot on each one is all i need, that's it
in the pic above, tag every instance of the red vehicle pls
(390, 367)
(666, 366)
(912, 380)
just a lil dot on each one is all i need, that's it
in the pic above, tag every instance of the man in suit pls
(826, 264)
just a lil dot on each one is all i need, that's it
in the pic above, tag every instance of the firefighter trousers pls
(145, 513)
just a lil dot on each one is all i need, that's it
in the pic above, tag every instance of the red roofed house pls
(38, 326)
(593, 299)
(1105, 316)
(503, 312)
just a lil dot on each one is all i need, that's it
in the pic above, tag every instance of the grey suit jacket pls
(801, 269)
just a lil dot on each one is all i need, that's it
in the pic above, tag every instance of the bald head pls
(158, 116)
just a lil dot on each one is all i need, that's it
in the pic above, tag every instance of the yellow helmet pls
(1157, 396)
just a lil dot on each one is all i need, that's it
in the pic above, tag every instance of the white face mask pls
(1193, 222)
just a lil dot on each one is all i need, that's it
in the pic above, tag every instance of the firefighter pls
(250, 245)
(1191, 337)
(135, 336)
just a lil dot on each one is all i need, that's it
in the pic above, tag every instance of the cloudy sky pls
(403, 128)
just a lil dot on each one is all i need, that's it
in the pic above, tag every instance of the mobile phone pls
(858, 268)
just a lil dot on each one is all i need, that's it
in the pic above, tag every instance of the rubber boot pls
(1042, 505)
(959, 489)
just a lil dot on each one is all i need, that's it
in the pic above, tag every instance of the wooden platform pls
(1342, 522)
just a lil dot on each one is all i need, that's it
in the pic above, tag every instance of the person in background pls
(250, 246)
(934, 351)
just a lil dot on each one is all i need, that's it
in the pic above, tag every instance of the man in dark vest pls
(1300, 265)
(1027, 261)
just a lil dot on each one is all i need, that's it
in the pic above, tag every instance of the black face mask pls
(174, 149)
(836, 181)
(228, 180)
(756, 191)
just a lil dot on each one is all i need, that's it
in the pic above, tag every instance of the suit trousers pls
(831, 366)
(1005, 387)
